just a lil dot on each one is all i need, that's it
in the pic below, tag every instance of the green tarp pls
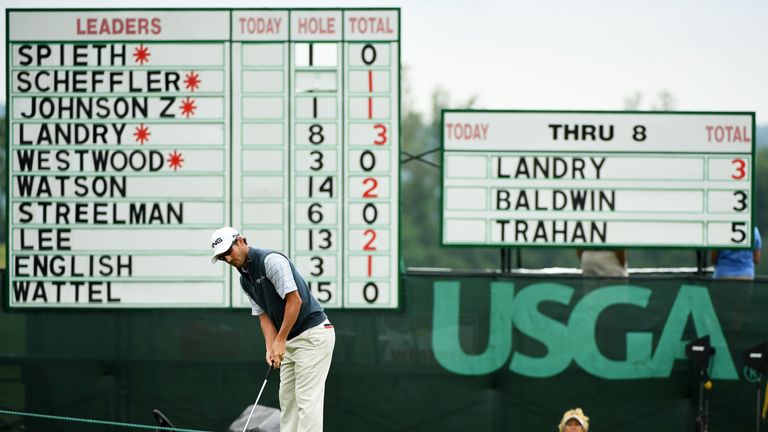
(486, 353)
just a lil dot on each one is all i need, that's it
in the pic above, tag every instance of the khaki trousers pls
(302, 379)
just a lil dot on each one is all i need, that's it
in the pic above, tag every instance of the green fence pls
(486, 353)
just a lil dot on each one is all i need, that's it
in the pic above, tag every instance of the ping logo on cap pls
(217, 241)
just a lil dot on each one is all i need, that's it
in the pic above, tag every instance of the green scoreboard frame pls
(134, 133)
(593, 179)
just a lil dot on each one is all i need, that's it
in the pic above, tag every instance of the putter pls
(269, 369)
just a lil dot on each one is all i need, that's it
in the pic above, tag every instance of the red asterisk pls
(141, 54)
(175, 160)
(142, 133)
(188, 107)
(192, 81)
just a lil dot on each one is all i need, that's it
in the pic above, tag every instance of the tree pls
(420, 185)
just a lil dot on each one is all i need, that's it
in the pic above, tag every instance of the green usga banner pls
(486, 352)
(618, 331)
(475, 352)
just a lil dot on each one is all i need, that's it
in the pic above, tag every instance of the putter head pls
(162, 420)
(263, 419)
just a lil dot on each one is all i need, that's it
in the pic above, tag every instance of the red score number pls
(371, 234)
(381, 134)
(740, 166)
(369, 193)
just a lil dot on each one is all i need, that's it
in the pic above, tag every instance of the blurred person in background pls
(574, 420)
(603, 262)
(737, 263)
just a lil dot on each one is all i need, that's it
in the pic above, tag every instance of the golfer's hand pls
(269, 357)
(278, 352)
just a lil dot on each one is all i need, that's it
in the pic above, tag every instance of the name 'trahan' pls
(551, 231)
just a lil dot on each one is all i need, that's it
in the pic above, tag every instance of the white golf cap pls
(577, 418)
(221, 241)
(575, 414)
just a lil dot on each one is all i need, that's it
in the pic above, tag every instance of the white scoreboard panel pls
(135, 133)
(614, 179)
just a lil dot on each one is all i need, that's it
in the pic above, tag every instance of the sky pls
(709, 55)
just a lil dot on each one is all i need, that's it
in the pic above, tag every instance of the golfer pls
(298, 336)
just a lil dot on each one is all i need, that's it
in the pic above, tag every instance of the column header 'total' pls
(381, 25)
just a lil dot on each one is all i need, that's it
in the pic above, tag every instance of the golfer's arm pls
(268, 329)
(292, 307)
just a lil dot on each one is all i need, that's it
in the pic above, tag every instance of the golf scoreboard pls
(134, 134)
(598, 179)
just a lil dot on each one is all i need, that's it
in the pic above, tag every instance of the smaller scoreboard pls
(597, 178)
